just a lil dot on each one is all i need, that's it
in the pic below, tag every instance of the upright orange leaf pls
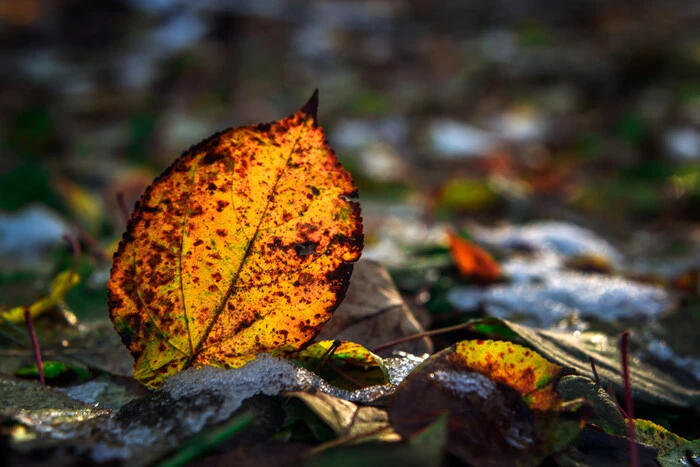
(245, 244)
(472, 261)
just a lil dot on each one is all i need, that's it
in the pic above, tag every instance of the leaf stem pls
(632, 432)
(35, 344)
(421, 335)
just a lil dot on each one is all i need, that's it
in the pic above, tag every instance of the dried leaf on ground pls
(346, 418)
(244, 245)
(374, 312)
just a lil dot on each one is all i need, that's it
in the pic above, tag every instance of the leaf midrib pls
(247, 253)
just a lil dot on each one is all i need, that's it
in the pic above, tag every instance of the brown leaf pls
(374, 313)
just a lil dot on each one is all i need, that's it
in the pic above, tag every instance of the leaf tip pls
(311, 106)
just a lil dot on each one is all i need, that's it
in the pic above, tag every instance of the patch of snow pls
(452, 139)
(526, 270)
(26, 235)
(86, 392)
(461, 382)
(683, 144)
(555, 237)
(565, 295)
(217, 393)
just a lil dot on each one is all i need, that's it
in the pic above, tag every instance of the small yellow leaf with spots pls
(650, 433)
(344, 364)
(244, 245)
(516, 366)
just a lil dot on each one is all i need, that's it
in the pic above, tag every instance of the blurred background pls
(451, 112)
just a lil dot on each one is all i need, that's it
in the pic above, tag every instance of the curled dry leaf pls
(245, 244)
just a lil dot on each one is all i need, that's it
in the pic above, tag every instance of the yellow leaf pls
(657, 436)
(245, 244)
(344, 364)
(61, 284)
(516, 366)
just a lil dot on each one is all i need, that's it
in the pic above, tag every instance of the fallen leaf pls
(606, 414)
(655, 435)
(60, 286)
(575, 351)
(374, 313)
(425, 449)
(244, 245)
(346, 365)
(345, 418)
(501, 401)
(472, 261)
(521, 368)
(685, 454)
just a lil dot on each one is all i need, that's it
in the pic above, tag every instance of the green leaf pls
(52, 369)
(679, 456)
(650, 433)
(606, 415)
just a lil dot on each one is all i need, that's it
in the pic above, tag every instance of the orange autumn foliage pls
(472, 261)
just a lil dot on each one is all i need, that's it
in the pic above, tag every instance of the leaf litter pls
(502, 400)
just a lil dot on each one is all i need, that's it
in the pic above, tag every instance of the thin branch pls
(421, 335)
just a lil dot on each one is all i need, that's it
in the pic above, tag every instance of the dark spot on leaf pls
(305, 248)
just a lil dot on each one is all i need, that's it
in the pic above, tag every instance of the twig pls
(421, 335)
(35, 345)
(632, 432)
(326, 355)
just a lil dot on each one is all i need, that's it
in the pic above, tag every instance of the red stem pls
(35, 345)
(632, 432)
